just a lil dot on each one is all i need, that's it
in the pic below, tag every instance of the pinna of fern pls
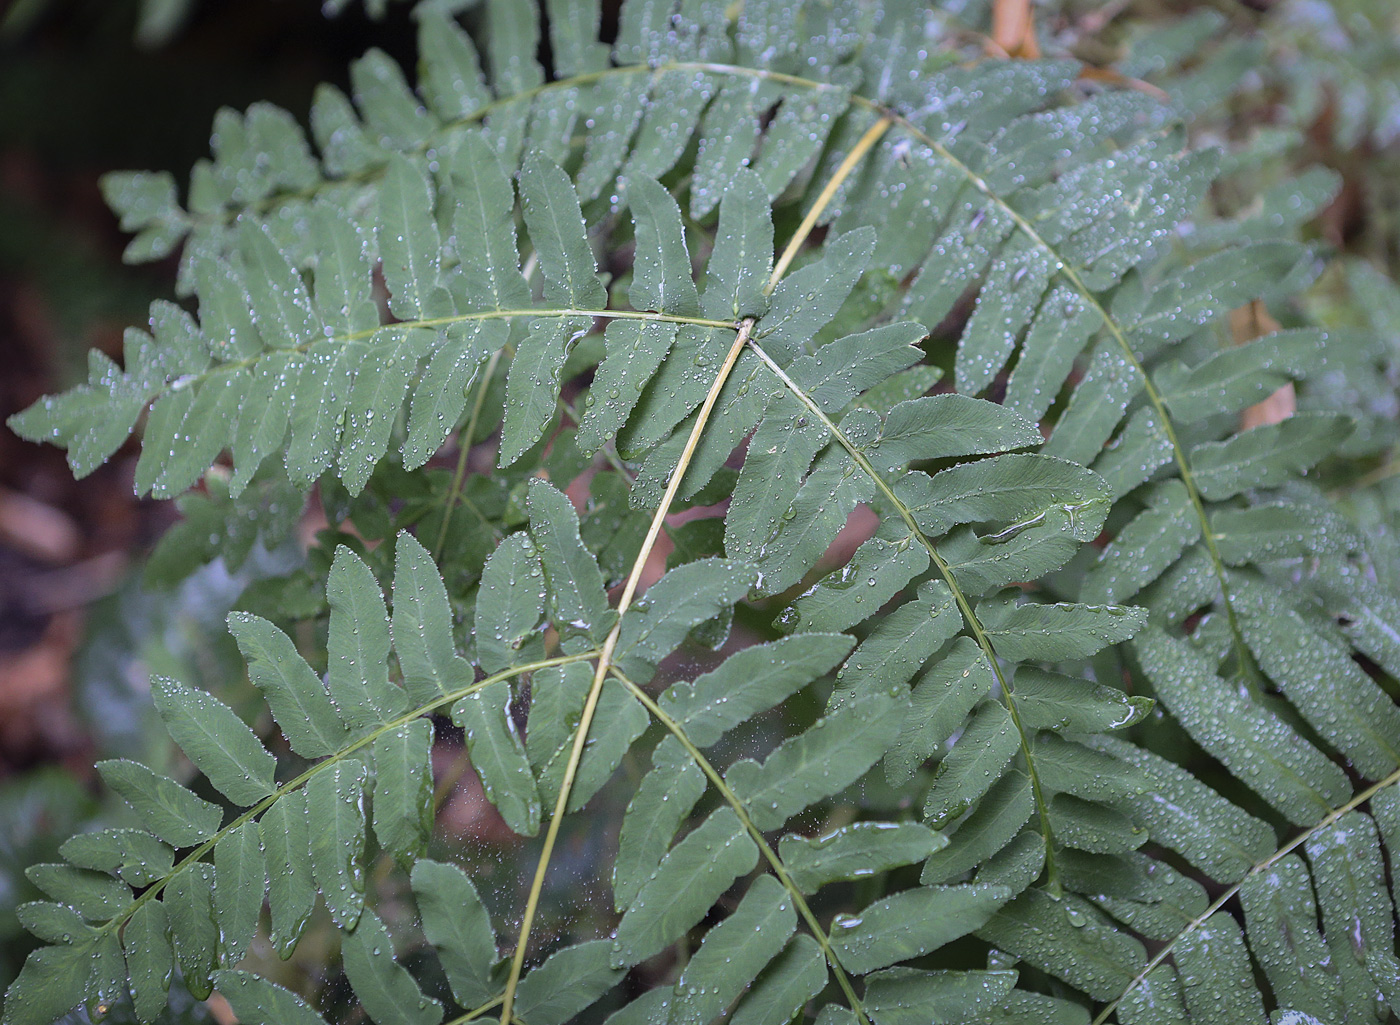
(1079, 565)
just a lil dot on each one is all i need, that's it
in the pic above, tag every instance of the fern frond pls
(968, 691)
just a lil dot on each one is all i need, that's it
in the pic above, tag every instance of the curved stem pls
(1263, 866)
(1062, 267)
(600, 672)
(152, 891)
(799, 900)
(979, 634)
(658, 519)
(401, 326)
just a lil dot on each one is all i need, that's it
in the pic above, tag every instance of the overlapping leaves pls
(969, 657)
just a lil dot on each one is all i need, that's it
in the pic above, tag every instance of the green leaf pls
(742, 259)
(510, 604)
(1012, 291)
(403, 789)
(295, 693)
(941, 426)
(682, 599)
(1069, 938)
(619, 103)
(375, 400)
(457, 925)
(828, 757)
(422, 626)
(96, 896)
(532, 385)
(942, 697)
(281, 306)
(974, 232)
(977, 760)
(791, 979)
(1358, 915)
(903, 996)
(1189, 817)
(1276, 530)
(728, 132)
(1208, 288)
(822, 507)
(343, 293)
(1050, 701)
(797, 133)
(749, 682)
(1240, 375)
(52, 923)
(218, 742)
(189, 905)
(449, 74)
(386, 990)
(685, 885)
(847, 366)
(140, 198)
(323, 389)
(1145, 547)
(291, 897)
(778, 456)
(391, 110)
(409, 243)
(1281, 916)
(619, 721)
(557, 232)
(357, 648)
(345, 146)
(808, 298)
(133, 854)
(335, 801)
(259, 1002)
(1007, 489)
(663, 800)
(1301, 783)
(876, 572)
(557, 696)
(1057, 633)
(1268, 455)
(260, 436)
(148, 959)
(179, 443)
(913, 922)
(489, 272)
(1320, 679)
(661, 275)
(1064, 322)
(903, 641)
(1216, 975)
(570, 980)
(856, 851)
(577, 598)
(635, 349)
(678, 97)
(573, 35)
(1110, 383)
(1022, 551)
(734, 952)
(441, 395)
(240, 880)
(499, 757)
(513, 34)
(52, 981)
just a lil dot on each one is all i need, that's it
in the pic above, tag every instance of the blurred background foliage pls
(1303, 95)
